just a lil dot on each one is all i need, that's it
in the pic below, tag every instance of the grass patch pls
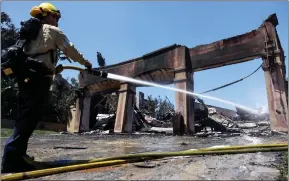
(6, 132)
(283, 168)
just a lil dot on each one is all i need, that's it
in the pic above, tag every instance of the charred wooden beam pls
(228, 51)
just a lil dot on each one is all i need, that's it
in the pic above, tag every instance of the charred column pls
(74, 122)
(185, 102)
(79, 121)
(85, 113)
(184, 80)
(80, 113)
(274, 70)
(125, 108)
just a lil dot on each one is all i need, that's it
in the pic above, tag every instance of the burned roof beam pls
(232, 50)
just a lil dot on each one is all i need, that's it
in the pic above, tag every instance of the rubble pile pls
(158, 123)
(226, 124)
(104, 121)
(209, 120)
(244, 115)
(140, 123)
(253, 124)
(256, 128)
(214, 124)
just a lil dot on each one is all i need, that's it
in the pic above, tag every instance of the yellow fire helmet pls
(43, 9)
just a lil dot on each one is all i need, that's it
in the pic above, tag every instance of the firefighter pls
(34, 94)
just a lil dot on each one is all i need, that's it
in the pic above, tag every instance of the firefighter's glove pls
(58, 69)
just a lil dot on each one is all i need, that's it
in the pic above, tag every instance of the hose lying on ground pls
(44, 165)
(145, 156)
(155, 154)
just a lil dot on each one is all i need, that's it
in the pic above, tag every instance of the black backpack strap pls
(21, 43)
(52, 56)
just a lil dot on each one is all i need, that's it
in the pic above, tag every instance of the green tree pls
(74, 82)
(100, 60)
(62, 98)
(165, 108)
(9, 104)
(9, 33)
(151, 106)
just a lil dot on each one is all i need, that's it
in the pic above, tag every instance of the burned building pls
(176, 65)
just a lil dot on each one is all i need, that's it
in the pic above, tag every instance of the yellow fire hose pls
(150, 155)
(145, 156)
(161, 154)
(68, 67)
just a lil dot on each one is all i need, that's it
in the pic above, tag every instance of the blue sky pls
(125, 30)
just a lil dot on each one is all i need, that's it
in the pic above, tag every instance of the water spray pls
(104, 74)
(136, 81)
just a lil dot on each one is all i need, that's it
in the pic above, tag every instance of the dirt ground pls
(253, 166)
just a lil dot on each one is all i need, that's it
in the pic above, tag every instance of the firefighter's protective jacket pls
(51, 38)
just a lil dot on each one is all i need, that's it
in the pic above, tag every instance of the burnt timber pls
(176, 65)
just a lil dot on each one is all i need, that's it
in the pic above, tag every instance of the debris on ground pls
(68, 147)
(248, 116)
(209, 121)
(247, 125)
(223, 120)
(183, 143)
(145, 165)
(160, 130)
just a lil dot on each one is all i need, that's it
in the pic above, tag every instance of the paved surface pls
(236, 167)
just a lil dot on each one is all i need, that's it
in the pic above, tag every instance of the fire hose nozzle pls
(99, 73)
(89, 70)
(104, 74)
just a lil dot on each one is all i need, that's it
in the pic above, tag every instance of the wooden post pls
(185, 102)
(125, 109)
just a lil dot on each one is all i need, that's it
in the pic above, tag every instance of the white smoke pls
(262, 108)
(258, 96)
